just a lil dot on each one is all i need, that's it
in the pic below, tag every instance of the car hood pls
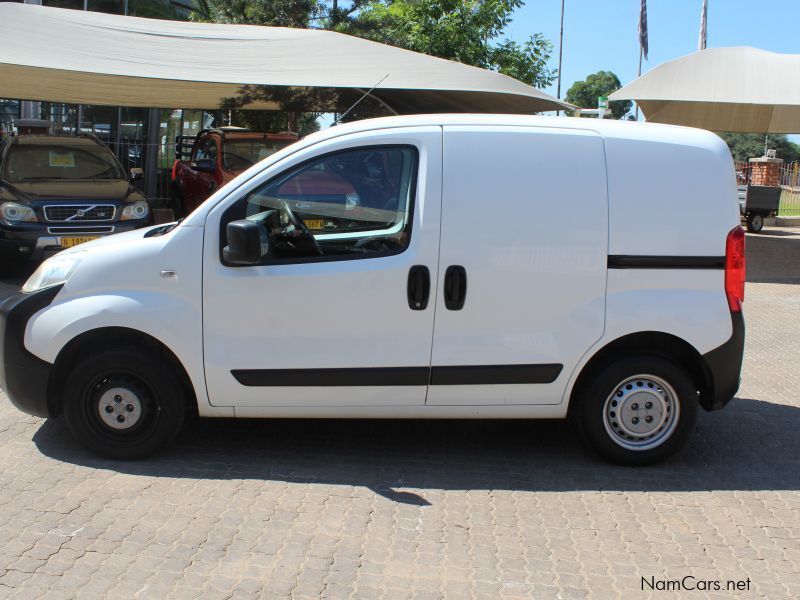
(61, 189)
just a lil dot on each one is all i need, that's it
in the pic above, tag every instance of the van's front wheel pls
(637, 411)
(123, 404)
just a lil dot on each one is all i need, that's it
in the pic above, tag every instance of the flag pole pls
(641, 51)
(560, 53)
(643, 43)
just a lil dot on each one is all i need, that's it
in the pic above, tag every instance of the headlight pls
(14, 212)
(137, 210)
(54, 271)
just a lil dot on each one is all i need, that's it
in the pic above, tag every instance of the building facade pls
(140, 137)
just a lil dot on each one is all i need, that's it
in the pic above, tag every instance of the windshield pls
(57, 161)
(238, 155)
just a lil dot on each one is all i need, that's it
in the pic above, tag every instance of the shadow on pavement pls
(772, 259)
(750, 445)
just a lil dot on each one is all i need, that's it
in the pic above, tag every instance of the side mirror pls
(245, 241)
(203, 164)
(137, 174)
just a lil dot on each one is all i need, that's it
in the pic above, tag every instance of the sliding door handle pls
(455, 287)
(419, 287)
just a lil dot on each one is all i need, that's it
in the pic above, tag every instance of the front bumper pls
(24, 377)
(723, 367)
(36, 241)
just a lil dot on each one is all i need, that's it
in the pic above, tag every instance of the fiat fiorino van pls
(460, 266)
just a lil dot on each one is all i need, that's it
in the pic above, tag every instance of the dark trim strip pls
(391, 376)
(627, 261)
(332, 377)
(495, 374)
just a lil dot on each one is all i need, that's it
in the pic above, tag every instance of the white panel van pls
(437, 266)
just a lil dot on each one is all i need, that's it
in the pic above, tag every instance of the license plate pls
(69, 242)
(314, 223)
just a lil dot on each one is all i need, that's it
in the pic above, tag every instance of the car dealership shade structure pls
(79, 57)
(722, 89)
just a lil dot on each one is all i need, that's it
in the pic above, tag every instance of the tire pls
(129, 383)
(755, 223)
(608, 405)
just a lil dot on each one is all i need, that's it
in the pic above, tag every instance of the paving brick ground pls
(308, 509)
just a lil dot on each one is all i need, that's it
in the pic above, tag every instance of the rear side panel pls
(670, 194)
(672, 203)
(524, 212)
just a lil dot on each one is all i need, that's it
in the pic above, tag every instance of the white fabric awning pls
(722, 89)
(82, 57)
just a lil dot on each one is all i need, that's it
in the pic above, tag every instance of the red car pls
(216, 157)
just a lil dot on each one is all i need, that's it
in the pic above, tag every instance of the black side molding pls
(332, 377)
(495, 374)
(629, 261)
(389, 376)
(723, 367)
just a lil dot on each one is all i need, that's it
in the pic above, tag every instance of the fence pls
(789, 181)
(134, 153)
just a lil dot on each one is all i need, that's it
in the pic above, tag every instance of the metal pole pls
(118, 137)
(152, 145)
(31, 109)
(560, 53)
(641, 51)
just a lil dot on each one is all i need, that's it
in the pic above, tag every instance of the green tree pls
(472, 32)
(584, 94)
(751, 145)
(279, 13)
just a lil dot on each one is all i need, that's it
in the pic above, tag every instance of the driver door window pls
(349, 204)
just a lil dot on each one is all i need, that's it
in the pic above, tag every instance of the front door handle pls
(455, 287)
(419, 287)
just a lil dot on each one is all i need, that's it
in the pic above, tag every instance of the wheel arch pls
(655, 343)
(105, 338)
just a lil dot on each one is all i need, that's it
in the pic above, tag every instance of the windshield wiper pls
(162, 229)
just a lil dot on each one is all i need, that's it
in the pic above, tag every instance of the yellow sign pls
(62, 159)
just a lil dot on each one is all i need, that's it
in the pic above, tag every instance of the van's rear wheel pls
(123, 404)
(637, 410)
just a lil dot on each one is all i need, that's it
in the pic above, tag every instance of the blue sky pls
(602, 34)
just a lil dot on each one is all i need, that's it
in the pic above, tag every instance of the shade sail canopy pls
(94, 58)
(722, 89)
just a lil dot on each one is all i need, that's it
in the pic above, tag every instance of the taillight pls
(735, 268)
(174, 168)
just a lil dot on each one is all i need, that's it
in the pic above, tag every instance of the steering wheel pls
(300, 226)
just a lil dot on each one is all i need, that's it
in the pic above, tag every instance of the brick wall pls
(765, 171)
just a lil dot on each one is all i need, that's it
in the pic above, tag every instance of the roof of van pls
(605, 127)
(613, 131)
